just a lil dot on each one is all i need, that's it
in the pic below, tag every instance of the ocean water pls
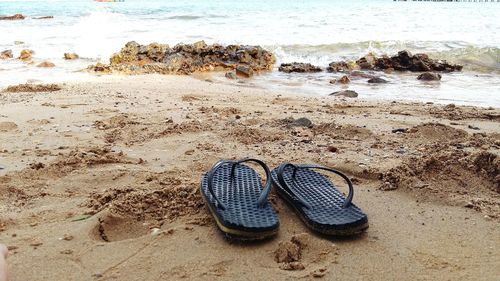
(315, 31)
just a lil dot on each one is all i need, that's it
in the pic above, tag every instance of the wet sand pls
(91, 171)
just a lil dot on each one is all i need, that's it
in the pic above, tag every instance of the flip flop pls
(319, 204)
(234, 195)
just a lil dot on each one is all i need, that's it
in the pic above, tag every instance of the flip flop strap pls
(282, 168)
(263, 195)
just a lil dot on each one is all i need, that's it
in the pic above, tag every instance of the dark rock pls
(403, 61)
(302, 122)
(400, 130)
(345, 93)
(187, 58)
(357, 73)
(244, 71)
(298, 67)
(429, 76)
(44, 18)
(13, 17)
(473, 127)
(377, 80)
(332, 148)
(7, 54)
(339, 67)
(70, 56)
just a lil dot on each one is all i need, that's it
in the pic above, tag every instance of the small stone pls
(67, 237)
(26, 54)
(189, 152)
(332, 148)
(44, 18)
(344, 80)
(302, 122)
(18, 42)
(7, 54)
(345, 93)
(36, 244)
(377, 80)
(70, 56)
(473, 127)
(46, 64)
(230, 75)
(429, 76)
(400, 130)
(156, 231)
(66, 252)
(449, 107)
(244, 71)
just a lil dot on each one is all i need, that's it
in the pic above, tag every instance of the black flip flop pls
(319, 204)
(235, 197)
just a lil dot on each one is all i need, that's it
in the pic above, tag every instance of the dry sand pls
(90, 171)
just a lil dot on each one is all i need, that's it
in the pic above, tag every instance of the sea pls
(314, 31)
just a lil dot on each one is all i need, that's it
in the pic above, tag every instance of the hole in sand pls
(114, 228)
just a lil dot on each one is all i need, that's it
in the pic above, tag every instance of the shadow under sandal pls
(235, 197)
(319, 204)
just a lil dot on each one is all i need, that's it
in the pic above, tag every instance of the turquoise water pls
(315, 31)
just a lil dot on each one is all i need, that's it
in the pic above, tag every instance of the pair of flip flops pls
(234, 194)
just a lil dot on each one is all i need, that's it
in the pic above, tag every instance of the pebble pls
(156, 231)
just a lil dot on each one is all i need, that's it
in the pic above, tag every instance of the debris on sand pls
(21, 88)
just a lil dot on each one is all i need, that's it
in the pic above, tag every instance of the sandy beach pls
(100, 181)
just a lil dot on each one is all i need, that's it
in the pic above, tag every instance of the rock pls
(7, 54)
(13, 17)
(345, 93)
(18, 42)
(7, 126)
(400, 130)
(319, 273)
(344, 80)
(302, 122)
(473, 127)
(429, 76)
(332, 148)
(367, 62)
(357, 73)
(231, 75)
(46, 64)
(403, 61)
(44, 17)
(70, 56)
(32, 88)
(186, 59)
(339, 67)
(377, 80)
(26, 54)
(244, 71)
(298, 67)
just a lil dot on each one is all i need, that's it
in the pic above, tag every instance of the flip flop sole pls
(238, 233)
(323, 230)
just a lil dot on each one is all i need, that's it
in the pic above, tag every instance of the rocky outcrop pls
(429, 76)
(26, 54)
(298, 67)
(13, 17)
(7, 54)
(187, 58)
(70, 56)
(403, 61)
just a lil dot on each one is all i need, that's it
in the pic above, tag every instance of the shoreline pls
(87, 179)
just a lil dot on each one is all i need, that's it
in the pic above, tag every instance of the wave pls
(474, 58)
